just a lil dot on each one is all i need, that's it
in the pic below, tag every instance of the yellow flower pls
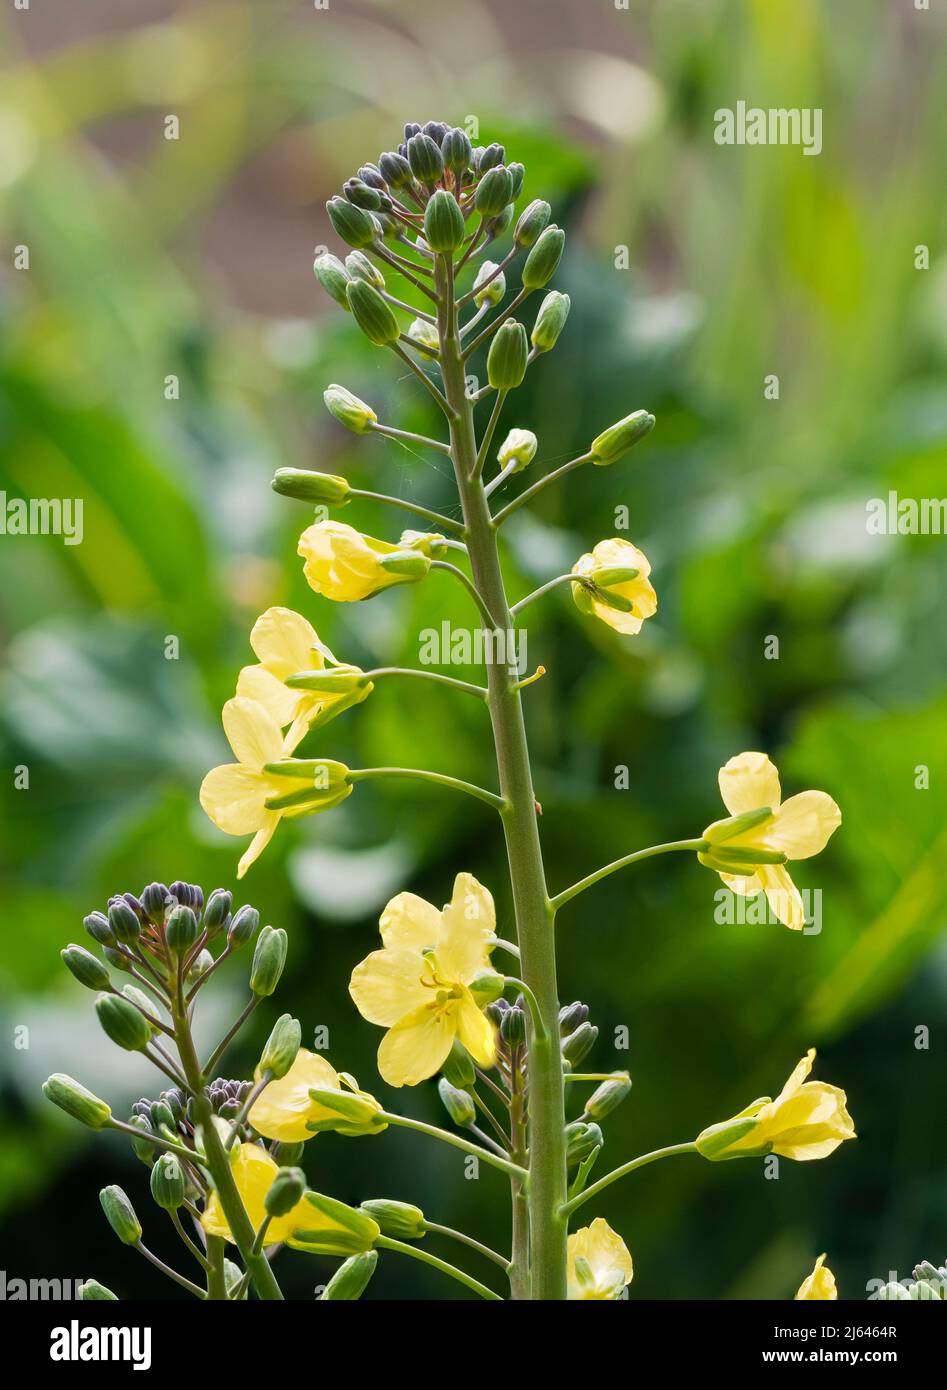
(599, 1265)
(418, 985)
(253, 1171)
(761, 827)
(819, 1284)
(807, 1120)
(238, 796)
(630, 599)
(285, 1110)
(287, 645)
(344, 565)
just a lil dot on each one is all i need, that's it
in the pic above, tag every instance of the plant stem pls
(216, 1279)
(467, 686)
(505, 1165)
(413, 507)
(172, 1274)
(464, 1239)
(538, 487)
(534, 914)
(384, 1243)
(519, 1261)
(629, 1167)
(365, 774)
(569, 893)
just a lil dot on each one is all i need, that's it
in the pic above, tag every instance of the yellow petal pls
(747, 782)
(281, 703)
(341, 563)
(744, 884)
(233, 797)
(253, 1171)
(258, 844)
(468, 928)
(253, 734)
(410, 923)
(388, 984)
(820, 1284)
(802, 825)
(607, 1257)
(782, 895)
(475, 1032)
(286, 642)
(417, 1046)
(284, 1107)
(797, 1076)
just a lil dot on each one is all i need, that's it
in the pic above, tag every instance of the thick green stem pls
(216, 1280)
(534, 914)
(519, 1257)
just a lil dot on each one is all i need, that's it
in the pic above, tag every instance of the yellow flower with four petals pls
(599, 1265)
(344, 565)
(632, 599)
(285, 1110)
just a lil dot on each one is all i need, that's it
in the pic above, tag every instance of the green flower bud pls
(86, 967)
(244, 924)
(513, 1026)
(582, 1140)
(354, 225)
(489, 157)
(425, 159)
(456, 151)
(506, 360)
(307, 486)
(498, 225)
(354, 1231)
(217, 912)
(351, 412)
(493, 292)
(93, 1292)
(618, 438)
(201, 963)
(608, 1096)
(118, 960)
(518, 447)
(123, 922)
(362, 196)
(372, 314)
(458, 1104)
(351, 1279)
(141, 1147)
(893, 1292)
(580, 1043)
(543, 259)
(285, 1191)
(531, 222)
(359, 267)
(268, 960)
(443, 222)
(168, 1184)
(423, 332)
(397, 1220)
(486, 987)
(494, 191)
(458, 1068)
(288, 1155)
(395, 170)
(517, 174)
(570, 1016)
(550, 321)
(96, 924)
(181, 930)
(122, 1022)
(81, 1104)
(412, 564)
(333, 277)
(279, 1054)
(143, 1002)
(120, 1215)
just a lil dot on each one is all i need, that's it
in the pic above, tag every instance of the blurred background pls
(696, 271)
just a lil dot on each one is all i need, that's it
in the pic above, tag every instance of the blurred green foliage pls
(152, 258)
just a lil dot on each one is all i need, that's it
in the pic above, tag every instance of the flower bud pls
(608, 1096)
(181, 930)
(458, 1104)
(618, 438)
(122, 1022)
(543, 259)
(443, 222)
(348, 1112)
(123, 922)
(168, 1184)
(394, 169)
(570, 1016)
(486, 987)
(488, 157)
(359, 267)
(498, 225)
(397, 1220)
(513, 1026)
(268, 960)
(217, 912)
(279, 1054)
(517, 174)
(285, 1191)
(245, 922)
(141, 1147)
(372, 175)
(91, 1291)
(580, 1043)
(410, 564)
(86, 967)
(364, 196)
(519, 448)
(550, 321)
(96, 924)
(372, 314)
(288, 1155)
(493, 292)
(354, 225)
(143, 1003)
(494, 191)
(458, 1068)
(423, 332)
(154, 901)
(81, 1104)
(506, 360)
(333, 277)
(351, 1279)
(120, 1214)
(306, 486)
(425, 158)
(456, 151)
(581, 1140)
(118, 960)
(531, 222)
(351, 1231)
